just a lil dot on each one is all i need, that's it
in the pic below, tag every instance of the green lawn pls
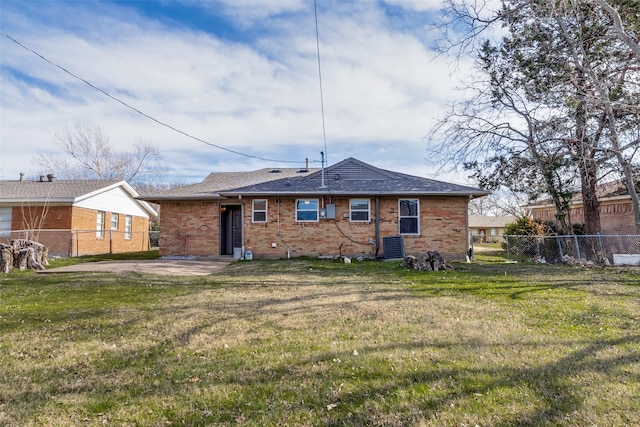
(309, 342)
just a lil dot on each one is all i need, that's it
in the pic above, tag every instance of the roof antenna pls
(322, 163)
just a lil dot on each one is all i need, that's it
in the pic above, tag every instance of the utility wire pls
(325, 156)
(324, 132)
(104, 92)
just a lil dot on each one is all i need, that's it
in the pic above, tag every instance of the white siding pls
(114, 200)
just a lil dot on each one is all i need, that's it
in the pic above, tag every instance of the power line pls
(142, 113)
(324, 132)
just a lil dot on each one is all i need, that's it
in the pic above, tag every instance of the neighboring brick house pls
(616, 210)
(75, 217)
(489, 229)
(289, 212)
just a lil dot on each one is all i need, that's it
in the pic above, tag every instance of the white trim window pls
(360, 210)
(259, 210)
(5, 222)
(114, 221)
(307, 210)
(100, 224)
(409, 216)
(127, 227)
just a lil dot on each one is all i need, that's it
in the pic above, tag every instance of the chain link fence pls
(574, 249)
(72, 243)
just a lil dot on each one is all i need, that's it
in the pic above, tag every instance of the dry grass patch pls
(307, 342)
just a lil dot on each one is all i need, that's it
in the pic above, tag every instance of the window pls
(100, 224)
(359, 209)
(259, 211)
(127, 227)
(409, 211)
(114, 221)
(307, 210)
(5, 222)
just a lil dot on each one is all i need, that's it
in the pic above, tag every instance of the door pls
(230, 228)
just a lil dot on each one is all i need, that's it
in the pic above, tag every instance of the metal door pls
(230, 229)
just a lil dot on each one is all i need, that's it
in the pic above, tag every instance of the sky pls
(238, 79)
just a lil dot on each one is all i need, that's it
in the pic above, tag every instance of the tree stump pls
(23, 254)
(40, 251)
(408, 261)
(6, 258)
(429, 261)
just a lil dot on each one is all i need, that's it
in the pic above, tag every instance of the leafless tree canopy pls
(553, 101)
(89, 154)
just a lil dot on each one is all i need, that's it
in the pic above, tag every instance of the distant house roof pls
(612, 190)
(217, 182)
(61, 191)
(485, 221)
(348, 177)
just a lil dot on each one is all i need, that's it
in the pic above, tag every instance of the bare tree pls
(499, 203)
(555, 96)
(619, 25)
(89, 154)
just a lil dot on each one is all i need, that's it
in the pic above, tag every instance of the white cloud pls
(382, 87)
(417, 5)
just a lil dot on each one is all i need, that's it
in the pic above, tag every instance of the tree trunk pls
(590, 203)
(584, 153)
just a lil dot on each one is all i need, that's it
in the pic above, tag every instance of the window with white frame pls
(259, 210)
(114, 221)
(409, 216)
(307, 210)
(127, 227)
(5, 222)
(100, 224)
(359, 210)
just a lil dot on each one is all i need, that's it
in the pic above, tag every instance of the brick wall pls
(190, 229)
(86, 241)
(39, 217)
(193, 229)
(616, 216)
(69, 230)
(442, 228)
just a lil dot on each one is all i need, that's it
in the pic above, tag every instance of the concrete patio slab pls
(173, 267)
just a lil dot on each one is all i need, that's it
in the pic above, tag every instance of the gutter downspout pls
(377, 225)
(467, 224)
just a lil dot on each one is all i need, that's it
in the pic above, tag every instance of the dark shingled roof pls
(353, 177)
(349, 177)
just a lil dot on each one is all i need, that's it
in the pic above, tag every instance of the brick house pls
(489, 229)
(349, 209)
(75, 217)
(616, 210)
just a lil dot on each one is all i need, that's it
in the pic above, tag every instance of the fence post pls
(602, 254)
(577, 248)
(507, 245)
(560, 247)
